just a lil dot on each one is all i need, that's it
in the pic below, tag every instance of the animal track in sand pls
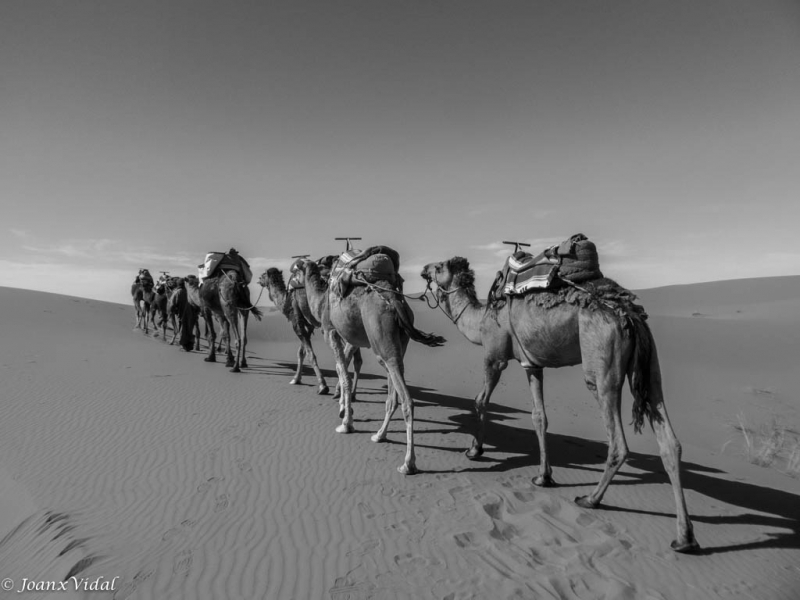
(410, 562)
(208, 484)
(244, 465)
(183, 562)
(184, 527)
(365, 510)
(222, 503)
(364, 548)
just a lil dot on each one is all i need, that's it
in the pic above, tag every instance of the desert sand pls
(123, 457)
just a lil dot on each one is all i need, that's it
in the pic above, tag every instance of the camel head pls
(272, 279)
(448, 274)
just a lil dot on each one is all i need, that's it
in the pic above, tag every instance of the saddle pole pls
(347, 240)
(517, 245)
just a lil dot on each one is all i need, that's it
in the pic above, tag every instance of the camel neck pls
(467, 312)
(316, 291)
(277, 293)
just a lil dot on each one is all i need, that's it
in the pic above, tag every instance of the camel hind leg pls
(345, 413)
(539, 418)
(670, 450)
(607, 390)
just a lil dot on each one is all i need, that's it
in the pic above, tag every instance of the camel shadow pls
(764, 507)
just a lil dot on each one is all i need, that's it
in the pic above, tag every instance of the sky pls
(145, 133)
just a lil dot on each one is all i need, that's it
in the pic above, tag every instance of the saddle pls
(145, 279)
(574, 260)
(296, 275)
(362, 267)
(219, 262)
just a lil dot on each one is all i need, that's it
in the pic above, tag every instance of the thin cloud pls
(22, 234)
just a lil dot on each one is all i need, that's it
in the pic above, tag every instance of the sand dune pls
(121, 456)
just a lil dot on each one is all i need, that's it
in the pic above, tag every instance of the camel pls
(143, 296)
(369, 317)
(159, 308)
(226, 297)
(611, 340)
(312, 316)
(286, 301)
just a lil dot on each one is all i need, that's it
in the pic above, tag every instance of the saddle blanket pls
(220, 261)
(574, 260)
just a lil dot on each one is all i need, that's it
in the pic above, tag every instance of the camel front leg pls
(609, 396)
(539, 418)
(175, 330)
(301, 354)
(211, 337)
(242, 348)
(491, 375)
(323, 387)
(230, 362)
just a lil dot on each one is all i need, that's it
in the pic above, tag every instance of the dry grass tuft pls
(770, 445)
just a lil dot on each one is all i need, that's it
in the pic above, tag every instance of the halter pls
(440, 292)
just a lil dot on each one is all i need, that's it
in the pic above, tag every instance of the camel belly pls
(549, 337)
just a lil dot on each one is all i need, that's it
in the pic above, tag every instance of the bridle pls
(439, 295)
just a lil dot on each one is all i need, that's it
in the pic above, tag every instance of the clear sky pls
(144, 133)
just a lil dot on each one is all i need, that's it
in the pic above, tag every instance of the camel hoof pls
(543, 481)
(323, 390)
(236, 370)
(407, 469)
(690, 547)
(474, 453)
(210, 359)
(294, 381)
(244, 365)
(344, 428)
(378, 438)
(337, 394)
(583, 501)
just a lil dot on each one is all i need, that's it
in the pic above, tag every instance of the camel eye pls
(438, 268)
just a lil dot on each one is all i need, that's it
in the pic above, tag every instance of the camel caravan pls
(547, 310)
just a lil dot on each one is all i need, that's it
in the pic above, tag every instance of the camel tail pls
(640, 370)
(405, 319)
(257, 313)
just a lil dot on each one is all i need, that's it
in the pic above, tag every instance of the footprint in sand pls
(183, 562)
(244, 465)
(127, 588)
(409, 562)
(364, 548)
(222, 503)
(365, 510)
(184, 527)
(466, 540)
(203, 488)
